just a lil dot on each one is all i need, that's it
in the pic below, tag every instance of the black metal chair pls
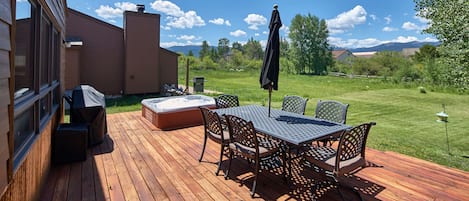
(213, 129)
(348, 158)
(334, 111)
(226, 100)
(296, 104)
(245, 142)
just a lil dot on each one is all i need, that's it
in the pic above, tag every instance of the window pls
(24, 55)
(24, 128)
(37, 75)
(44, 108)
(45, 51)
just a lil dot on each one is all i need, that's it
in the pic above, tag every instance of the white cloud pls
(108, 12)
(220, 21)
(167, 7)
(217, 21)
(20, 1)
(347, 20)
(373, 17)
(188, 20)
(165, 27)
(428, 39)
(255, 20)
(175, 43)
(409, 26)
(257, 34)
(422, 19)
(263, 43)
(186, 37)
(265, 32)
(285, 29)
(389, 29)
(402, 39)
(176, 17)
(238, 33)
(388, 19)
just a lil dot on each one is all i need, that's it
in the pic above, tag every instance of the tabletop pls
(291, 127)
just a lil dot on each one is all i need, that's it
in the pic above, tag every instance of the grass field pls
(406, 118)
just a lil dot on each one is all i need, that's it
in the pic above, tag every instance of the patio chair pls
(226, 100)
(296, 104)
(334, 111)
(348, 158)
(213, 129)
(245, 142)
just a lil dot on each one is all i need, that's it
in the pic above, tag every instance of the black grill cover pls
(88, 106)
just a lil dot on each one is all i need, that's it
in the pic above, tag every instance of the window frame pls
(45, 64)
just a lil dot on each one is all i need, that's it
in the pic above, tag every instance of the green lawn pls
(406, 118)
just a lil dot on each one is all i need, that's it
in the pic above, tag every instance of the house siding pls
(5, 92)
(142, 51)
(24, 182)
(100, 59)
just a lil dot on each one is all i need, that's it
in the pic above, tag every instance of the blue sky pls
(352, 23)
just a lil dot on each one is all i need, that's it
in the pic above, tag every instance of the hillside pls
(393, 46)
(383, 47)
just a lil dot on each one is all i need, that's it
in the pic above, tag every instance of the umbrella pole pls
(270, 97)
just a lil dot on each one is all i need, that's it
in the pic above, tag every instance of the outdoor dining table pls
(293, 129)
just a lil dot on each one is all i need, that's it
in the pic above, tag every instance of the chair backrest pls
(332, 110)
(351, 148)
(212, 123)
(226, 100)
(296, 104)
(243, 133)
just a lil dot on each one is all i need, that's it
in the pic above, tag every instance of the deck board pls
(137, 162)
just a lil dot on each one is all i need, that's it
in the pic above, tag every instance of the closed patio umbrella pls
(270, 66)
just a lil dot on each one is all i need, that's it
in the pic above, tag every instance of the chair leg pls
(284, 164)
(229, 165)
(221, 158)
(203, 148)
(253, 190)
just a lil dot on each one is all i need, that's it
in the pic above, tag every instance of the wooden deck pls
(139, 162)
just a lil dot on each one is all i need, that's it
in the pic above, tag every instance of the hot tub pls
(175, 112)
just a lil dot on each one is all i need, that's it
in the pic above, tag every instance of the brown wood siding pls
(4, 36)
(101, 55)
(5, 11)
(168, 67)
(5, 97)
(56, 8)
(28, 179)
(142, 39)
(4, 64)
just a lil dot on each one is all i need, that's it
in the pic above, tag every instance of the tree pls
(449, 24)
(237, 46)
(253, 49)
(213, 54)
(310, 49)
(205, 51)
(190, 53)
(426, 53)
(223, 47)
(284, 47)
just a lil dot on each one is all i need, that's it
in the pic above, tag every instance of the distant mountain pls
(185, 49)
(393, 46)
(383, 47)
